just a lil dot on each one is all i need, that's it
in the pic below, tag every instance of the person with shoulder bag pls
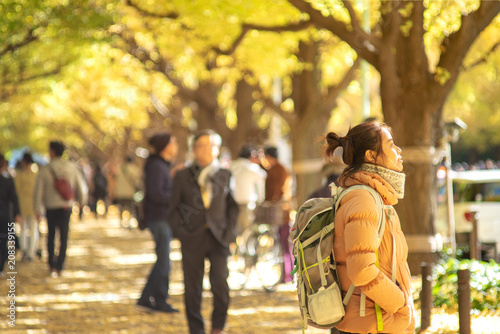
(57, 204)
(382, 298)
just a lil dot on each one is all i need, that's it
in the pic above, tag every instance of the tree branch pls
(168, 15)
(34, 77)
(352, 14)
(330, 100)
(458, 43)
(28, 38)
(248, 27)
(484, 58)
(85, 115)
(366, 45)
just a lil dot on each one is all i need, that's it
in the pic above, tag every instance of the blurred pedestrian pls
(9, 214)
(279, 191)
(57, 209)
(377, 267)
(249, 180)
(25, 180)
(127, 183)
(158, 193)
(204, 214)
(98, 190)
(331, 171)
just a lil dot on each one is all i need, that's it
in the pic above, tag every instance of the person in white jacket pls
(250, 181)
(57, 209)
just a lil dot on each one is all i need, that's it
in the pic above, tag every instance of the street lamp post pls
(451, 132)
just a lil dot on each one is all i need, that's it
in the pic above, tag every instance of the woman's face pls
(170, 151)
(391, 154)
(173, 147)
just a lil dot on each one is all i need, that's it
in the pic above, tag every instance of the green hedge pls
(484, 283)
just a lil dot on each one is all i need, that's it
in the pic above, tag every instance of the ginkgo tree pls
(475, 101)
(224, 73)
(418, 48)
(104, 72)
(38, 40)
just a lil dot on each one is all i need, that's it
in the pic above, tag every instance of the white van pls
(475, 190)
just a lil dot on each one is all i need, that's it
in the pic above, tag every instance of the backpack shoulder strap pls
(378, 201)
(380, 227)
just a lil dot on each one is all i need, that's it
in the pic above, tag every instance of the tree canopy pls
(101, 74)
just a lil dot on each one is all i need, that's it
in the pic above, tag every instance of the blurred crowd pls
(480, 165)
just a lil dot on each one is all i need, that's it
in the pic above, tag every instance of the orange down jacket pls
(355, 247)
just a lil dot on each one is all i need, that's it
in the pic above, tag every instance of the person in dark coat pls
(100, 189)
(158, 190)
(9, 214)
(203, 213)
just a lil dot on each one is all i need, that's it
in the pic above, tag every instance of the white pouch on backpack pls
(325, 306)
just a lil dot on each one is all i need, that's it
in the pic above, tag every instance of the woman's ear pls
(370, 156)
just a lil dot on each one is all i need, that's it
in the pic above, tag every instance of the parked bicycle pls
(258, 253)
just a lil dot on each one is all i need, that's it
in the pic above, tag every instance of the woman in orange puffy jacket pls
(362, 258)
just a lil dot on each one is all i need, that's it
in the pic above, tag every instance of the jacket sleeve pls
(232, 211)
(174, 215)
(361, 243)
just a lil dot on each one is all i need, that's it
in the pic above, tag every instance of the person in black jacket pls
(158, 188)
(9, 213)
(203, 214)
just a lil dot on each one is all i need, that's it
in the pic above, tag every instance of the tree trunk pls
(416, 131)
(308, 124)
(313, 108)
(247, 131)
(307, 156)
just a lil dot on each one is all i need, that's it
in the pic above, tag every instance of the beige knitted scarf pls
(395, 179)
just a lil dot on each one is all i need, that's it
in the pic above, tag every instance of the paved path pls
(106, 269)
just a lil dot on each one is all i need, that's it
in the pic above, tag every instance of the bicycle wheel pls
(269, 260)
(244, 257)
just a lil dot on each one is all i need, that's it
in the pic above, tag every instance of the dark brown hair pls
(215, 138)
(57, 147)
(3, 161)
(359, 139)
(159, 141)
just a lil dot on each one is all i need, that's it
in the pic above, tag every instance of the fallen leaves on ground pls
(106, 269)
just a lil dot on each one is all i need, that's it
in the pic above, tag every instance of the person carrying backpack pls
(382, 298)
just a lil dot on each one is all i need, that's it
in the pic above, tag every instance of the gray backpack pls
(318, 285)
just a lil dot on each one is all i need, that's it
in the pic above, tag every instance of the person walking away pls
(372, 159)
(158, 192)
(9, 213)
(24, 181)
(279, 190)
(249, 180)
(126, 184)
(98, 190)
(57, 209)
(204, 214)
